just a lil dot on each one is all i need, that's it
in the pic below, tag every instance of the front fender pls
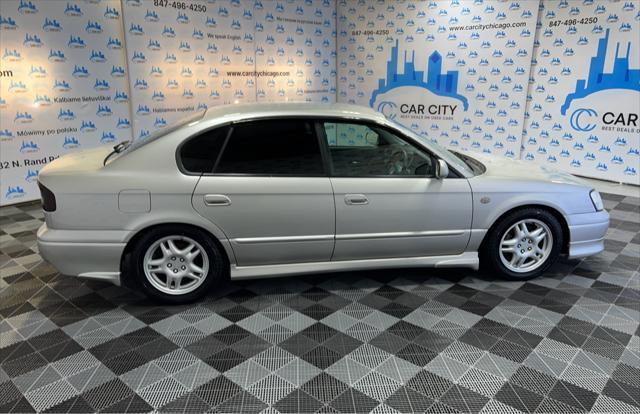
(487, 208)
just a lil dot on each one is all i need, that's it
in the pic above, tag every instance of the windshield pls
(140, 142)
(450, 157)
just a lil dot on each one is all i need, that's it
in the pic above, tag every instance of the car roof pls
(284, 109)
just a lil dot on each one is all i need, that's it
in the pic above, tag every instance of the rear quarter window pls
(199, 154)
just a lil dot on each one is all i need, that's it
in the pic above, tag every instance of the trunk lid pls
(81, 161)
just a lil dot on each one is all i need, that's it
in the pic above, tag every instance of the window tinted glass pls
(358, 150)
(141, 142)
(199, 154)
(279, 147)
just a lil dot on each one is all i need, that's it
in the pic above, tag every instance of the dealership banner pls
(188, 56)
(454, 71)
(584, 100)
(296, 51)
(63, 86)
(180, 59)
(551, 82)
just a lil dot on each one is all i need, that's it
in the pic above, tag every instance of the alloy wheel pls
(176, 265)
(526, 245)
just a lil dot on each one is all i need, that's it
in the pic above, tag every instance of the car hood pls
(501, 167)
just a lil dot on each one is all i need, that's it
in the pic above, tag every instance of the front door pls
(270, 195)
(388, 202)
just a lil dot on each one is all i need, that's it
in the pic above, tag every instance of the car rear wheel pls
(176, 264)
(524, 244)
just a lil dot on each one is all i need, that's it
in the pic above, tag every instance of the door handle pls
(217, 200)
(356, 199)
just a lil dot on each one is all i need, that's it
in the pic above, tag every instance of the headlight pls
(597, 200)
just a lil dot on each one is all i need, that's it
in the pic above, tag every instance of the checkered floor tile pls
(384, 341)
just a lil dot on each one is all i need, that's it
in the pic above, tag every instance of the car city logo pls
(581, 119)
(442, 84)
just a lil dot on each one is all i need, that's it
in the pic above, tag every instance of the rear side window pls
(199, 154)
(272, 147)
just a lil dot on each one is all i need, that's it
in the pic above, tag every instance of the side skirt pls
(466, 259)
(110, 277)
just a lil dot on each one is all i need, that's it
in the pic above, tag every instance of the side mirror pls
(442, 169)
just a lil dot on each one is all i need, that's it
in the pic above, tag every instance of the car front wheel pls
(176, 264)
(524, 244)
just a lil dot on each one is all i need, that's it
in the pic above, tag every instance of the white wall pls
(149, 65)
(63, 86)
(509, 65)
(227, 52)
(582, 99)
(464, 88)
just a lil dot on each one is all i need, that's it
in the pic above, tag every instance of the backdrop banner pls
(454, 71)
(584, 100)
(296, 51)
(550, 82)
(63, 86)
(185, 59)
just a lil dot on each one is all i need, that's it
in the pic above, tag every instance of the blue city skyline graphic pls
(621, 77)
(442, 84)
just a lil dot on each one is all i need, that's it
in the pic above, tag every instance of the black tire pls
(218, 266)
(490, 250)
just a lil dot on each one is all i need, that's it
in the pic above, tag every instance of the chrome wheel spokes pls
(526, 245)
(176, 265)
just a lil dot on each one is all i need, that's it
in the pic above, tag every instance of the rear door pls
(270, 194)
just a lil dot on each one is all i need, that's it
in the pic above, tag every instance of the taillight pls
(48, 199)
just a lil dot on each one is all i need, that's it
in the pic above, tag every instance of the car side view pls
(259, 190)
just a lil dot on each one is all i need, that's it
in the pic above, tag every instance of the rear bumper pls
(587, 233)
(94, 259)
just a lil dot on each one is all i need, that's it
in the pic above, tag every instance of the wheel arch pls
(140, 232)
(553, 211)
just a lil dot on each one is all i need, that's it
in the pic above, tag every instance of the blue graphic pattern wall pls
(438, 83)
(563, 92)
(584, 100)
(226, 52)
(552, 82)
(621, 77)
(76, 93)
(296, 51)
(63, 86)
(453, 71)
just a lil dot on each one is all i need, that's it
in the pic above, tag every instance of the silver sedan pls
(262, 190)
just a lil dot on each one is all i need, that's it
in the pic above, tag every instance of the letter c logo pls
(388, 109)
(579, 123)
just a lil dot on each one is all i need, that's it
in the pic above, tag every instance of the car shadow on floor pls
(424, 276)
(363, 279)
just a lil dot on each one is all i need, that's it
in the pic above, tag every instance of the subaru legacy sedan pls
(260, 190)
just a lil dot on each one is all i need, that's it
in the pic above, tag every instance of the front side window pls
(272, 147)
(358, 150)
